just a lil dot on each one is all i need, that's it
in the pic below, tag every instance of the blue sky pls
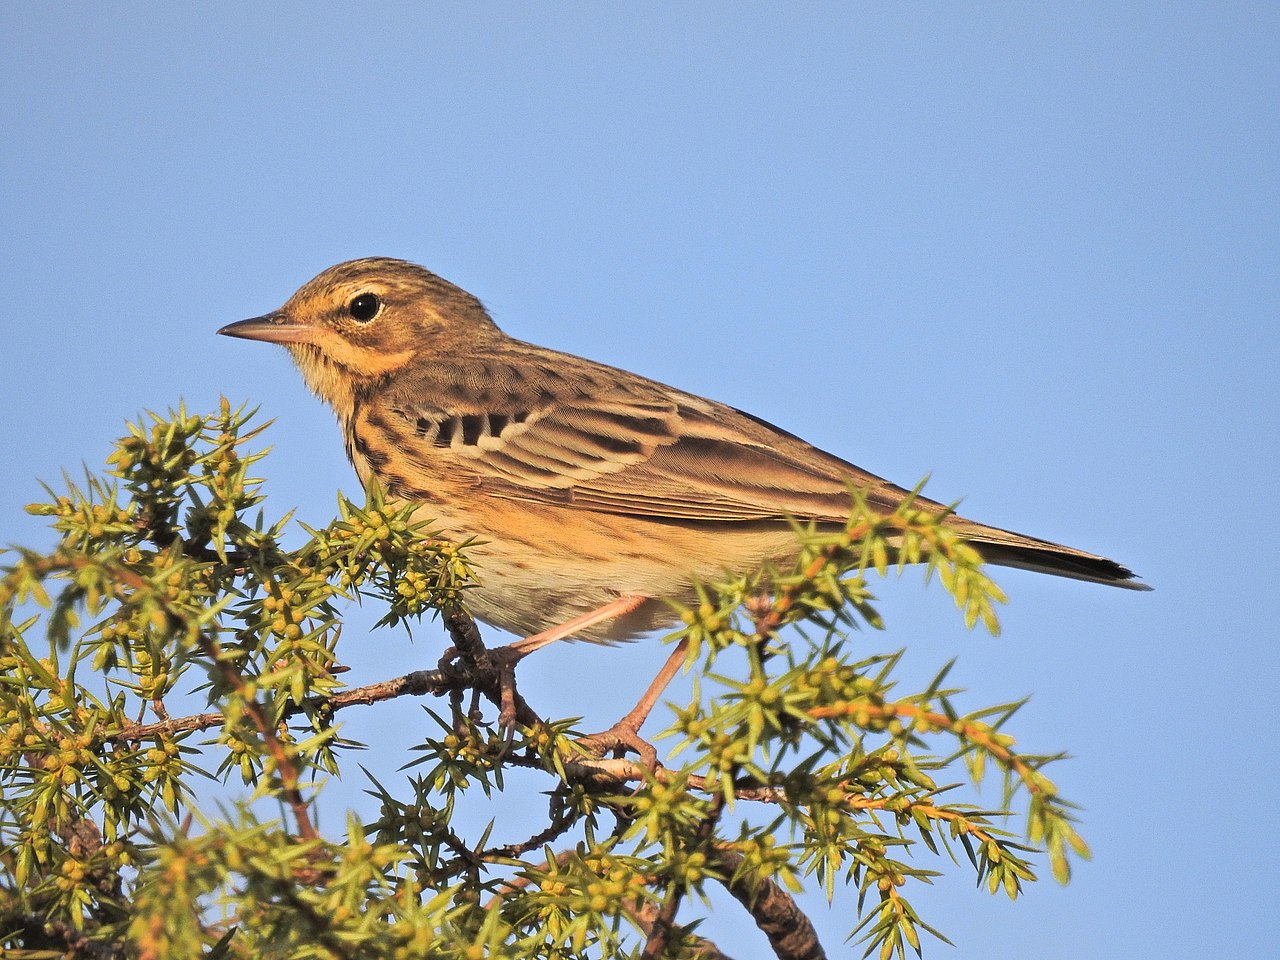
(1028, 249)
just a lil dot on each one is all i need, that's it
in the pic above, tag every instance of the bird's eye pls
(365, 307)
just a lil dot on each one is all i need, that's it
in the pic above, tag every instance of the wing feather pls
(624, 446)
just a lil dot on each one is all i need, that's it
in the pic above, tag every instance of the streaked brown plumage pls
(583, 483)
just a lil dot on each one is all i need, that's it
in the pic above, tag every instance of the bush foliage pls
(171, 637)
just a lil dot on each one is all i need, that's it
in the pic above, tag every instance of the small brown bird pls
(593, 492)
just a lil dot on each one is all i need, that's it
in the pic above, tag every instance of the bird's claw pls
(623, 736)
(509, 699)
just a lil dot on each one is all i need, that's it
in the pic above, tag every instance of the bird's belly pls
(538, 566)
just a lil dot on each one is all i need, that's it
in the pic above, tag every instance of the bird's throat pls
(336, 375)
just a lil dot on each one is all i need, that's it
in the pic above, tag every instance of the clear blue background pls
(1030, 249)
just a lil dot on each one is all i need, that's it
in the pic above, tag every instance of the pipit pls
(592, 493)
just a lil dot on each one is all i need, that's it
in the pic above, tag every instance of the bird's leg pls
(507, 657)
(508, 699)
(626, 731)
(614, 608)
(635, 719)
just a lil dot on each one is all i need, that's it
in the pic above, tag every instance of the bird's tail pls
(1008, 549)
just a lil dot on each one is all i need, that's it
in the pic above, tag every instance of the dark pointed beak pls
(272, 328)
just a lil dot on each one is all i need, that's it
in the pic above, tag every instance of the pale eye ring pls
(365, 307)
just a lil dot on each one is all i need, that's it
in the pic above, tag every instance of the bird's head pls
(366, 319)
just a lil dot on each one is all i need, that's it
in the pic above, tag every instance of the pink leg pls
(634, 720)
(626, 732)
(615, 608)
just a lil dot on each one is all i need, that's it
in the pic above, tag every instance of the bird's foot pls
(622, 736)
(626, 732)
(492, 673)
(510, 703)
